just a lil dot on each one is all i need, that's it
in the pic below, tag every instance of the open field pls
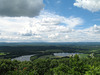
(2, 54)
(83, 55)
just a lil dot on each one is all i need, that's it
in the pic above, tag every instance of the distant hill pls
(51, 43)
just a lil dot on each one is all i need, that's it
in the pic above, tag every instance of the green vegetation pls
(83, 55)
(16, 51)
(2, 53)
(64, 66)
(45, 63)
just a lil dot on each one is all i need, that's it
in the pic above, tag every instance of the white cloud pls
(93, 30)
(91, 5)
(91, 34)
(52, 36)
(66, 36)
(73, 22)
(46, 27)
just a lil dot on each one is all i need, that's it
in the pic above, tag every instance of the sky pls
(49, 20)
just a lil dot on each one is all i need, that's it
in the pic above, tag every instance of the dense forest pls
(64, 66)
(44, 62)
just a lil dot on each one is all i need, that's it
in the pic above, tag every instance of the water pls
(65, 54)
(23, 58)
(27, 57)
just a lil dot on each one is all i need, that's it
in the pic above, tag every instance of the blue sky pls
(67, 9)
(50, 21)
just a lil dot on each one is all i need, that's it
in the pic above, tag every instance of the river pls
(27, 57)
(65, 54)
(23, 58)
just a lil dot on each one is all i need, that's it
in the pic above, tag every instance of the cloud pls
(28, 33)
(91, 34)
(93, 30)
(17, 8)
(47, 27)
(91, 5)
(96, 29)
(48, 24)
(52, 36)
(66, 36)
(73, 22)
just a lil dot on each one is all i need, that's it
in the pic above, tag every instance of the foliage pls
(44, 62)
(65, 66)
